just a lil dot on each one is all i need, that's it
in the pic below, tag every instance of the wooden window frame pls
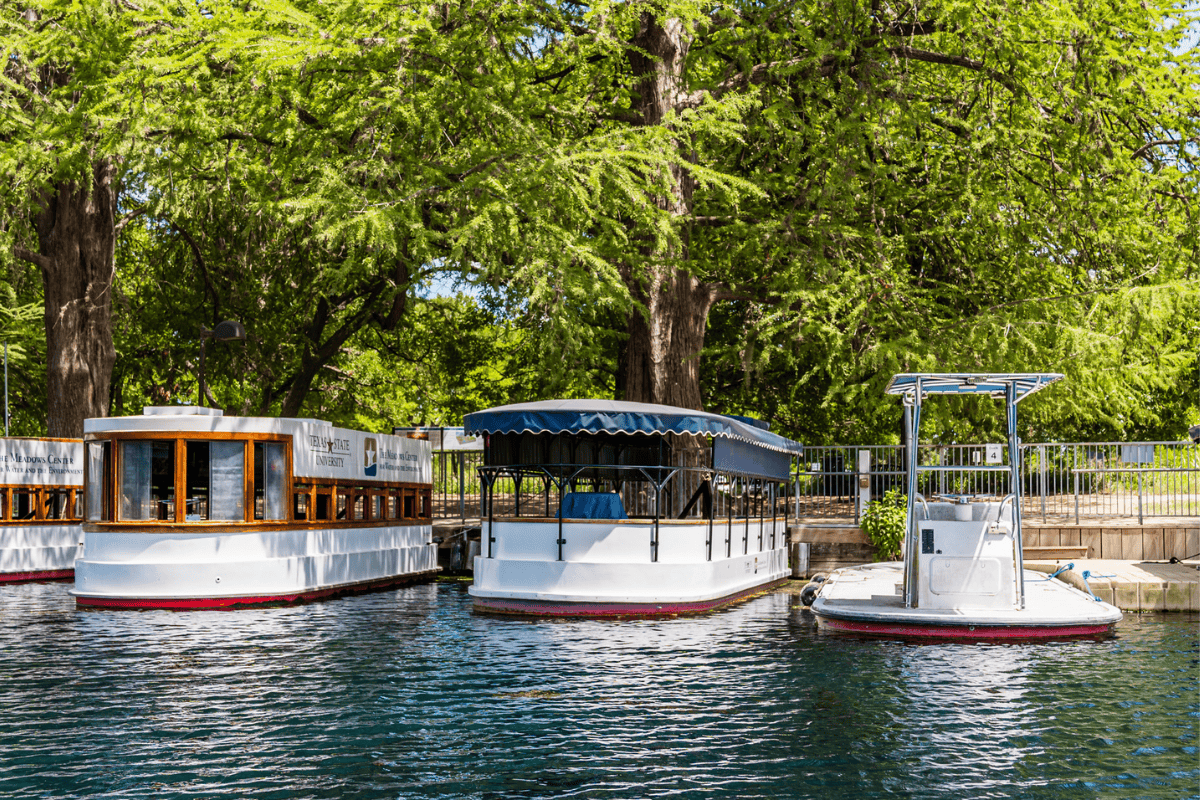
(333, 489)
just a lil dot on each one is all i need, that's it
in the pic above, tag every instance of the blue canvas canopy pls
(992, 384)
(611, 416)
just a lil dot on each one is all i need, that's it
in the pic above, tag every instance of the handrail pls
(924, 505)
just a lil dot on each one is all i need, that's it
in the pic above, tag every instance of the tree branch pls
(1159, 143)
(757, 74)
(930, 57)
(45, 263)
(127, 218)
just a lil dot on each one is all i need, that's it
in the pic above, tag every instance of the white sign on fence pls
(1137, 453)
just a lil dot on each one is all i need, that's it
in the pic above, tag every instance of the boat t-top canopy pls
(993, 384)
(612, 416)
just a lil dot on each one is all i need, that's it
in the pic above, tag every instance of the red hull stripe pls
(562, 608)
(38, 575)
(974, 632)
(186, 603)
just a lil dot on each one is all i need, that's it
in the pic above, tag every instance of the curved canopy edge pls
(611, 416)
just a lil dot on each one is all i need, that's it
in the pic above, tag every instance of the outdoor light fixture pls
(227, 331)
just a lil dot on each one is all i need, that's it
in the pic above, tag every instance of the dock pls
(1134, 586)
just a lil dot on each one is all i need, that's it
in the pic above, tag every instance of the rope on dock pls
(1055, 574)
(1088, 574)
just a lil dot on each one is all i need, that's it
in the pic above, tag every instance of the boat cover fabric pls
(988, 383)
(592, 505)
(730, 455)
(611, 416)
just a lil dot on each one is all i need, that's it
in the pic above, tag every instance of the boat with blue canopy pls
(608, 508)
(963, 575)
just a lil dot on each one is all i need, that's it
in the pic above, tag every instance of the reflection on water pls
(408, 694)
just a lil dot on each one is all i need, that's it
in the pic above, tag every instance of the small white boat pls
(187, 508)
(638, 509)
(41, 495)
(962, 576)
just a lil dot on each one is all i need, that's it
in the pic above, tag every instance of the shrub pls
(883, 523)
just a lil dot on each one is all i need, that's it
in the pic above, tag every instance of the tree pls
(60, 189)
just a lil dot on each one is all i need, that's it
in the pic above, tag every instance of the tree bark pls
(76, 253)
(661, 360)
(663, 351)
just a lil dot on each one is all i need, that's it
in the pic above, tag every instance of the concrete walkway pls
(1132, 585)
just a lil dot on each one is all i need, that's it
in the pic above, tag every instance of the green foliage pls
(959, 186)
(1009, 188)
(883, 523)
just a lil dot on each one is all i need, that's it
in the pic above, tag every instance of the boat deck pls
(870, 594)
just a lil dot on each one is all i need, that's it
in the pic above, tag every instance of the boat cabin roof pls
(619, 417)
(319, 450)
(989, 383)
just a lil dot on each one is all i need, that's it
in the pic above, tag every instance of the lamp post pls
(227, 331)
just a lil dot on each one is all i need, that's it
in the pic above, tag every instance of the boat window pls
(24, 504)
(410, 503)
(393, 505)
(426, 504)
(269, 480)
(343, 504)
(99, 465)
(300, 503)
(360, 506)
(58, 504)
(78, 505)
(148, 480)
(216, 481)
(324, 509)
(4, 503)
(376, 506)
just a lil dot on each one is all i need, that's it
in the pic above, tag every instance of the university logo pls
(370, 457)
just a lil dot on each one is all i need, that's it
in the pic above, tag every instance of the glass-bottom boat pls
(597, 508)
(41, 497)
(187, 508)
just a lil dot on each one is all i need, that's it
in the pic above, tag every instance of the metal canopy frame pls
(1022, 384)
(1013, 388)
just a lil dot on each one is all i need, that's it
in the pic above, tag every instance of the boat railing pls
(714, 496)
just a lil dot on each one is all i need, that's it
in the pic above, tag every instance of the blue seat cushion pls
(593, 505)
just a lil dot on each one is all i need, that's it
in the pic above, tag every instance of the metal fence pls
(457, 490)
(1060, 481)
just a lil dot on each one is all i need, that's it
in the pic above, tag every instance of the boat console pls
(966, 555)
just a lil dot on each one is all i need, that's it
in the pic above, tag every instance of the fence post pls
(1139, 496)
(864, 484)
(1042, 478)
(1077, 498)
(462, 489)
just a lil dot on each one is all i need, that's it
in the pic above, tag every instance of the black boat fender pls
(809, 593)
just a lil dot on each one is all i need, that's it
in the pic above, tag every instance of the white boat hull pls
(38, 552)
(866, 600)
(196, 569)
(607, 567)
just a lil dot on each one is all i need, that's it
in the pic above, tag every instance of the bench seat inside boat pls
(593, 505)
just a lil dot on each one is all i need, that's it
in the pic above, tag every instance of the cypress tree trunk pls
(663, 352)
(661, 361)
(76, 251)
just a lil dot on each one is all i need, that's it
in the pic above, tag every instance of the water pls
(407, 694)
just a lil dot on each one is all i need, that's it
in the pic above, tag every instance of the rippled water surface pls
(408, 694)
